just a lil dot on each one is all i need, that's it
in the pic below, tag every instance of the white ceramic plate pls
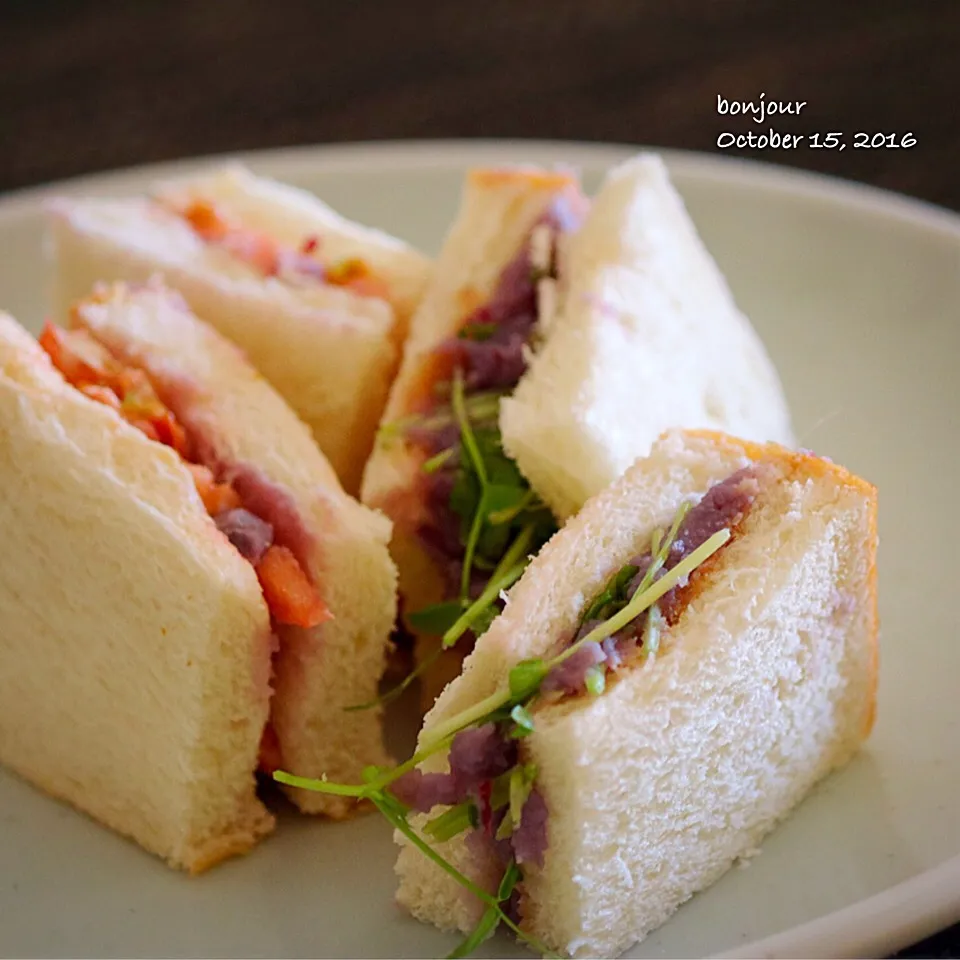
(857, 295)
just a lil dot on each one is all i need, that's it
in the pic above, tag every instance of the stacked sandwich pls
(644, 628)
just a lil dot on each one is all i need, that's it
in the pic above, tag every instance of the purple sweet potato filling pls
(251, 535)
(490, 349)
(477, 756)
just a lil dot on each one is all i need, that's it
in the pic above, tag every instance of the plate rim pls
(370, 155)
(883, 922)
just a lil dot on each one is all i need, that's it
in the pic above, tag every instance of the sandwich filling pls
(270, 258)
(480, 519)
(234, 500)
(489, 791)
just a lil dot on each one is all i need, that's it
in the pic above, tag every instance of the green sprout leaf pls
(524, 722)
(613, 597)
(483, 621)
(525, 678)
(504, 499)
(477, 331)
(651, 632)
(595, 679)
(445, 826)
(481, 932)
(436, 619)
(465, 497)
(522, 778)
(438, 460)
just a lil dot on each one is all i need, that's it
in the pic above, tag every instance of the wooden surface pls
(94, 85)
(89, 86)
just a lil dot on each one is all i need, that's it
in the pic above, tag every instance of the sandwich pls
(669, 678)
(319, 304)
(557, 339)
(189, 597)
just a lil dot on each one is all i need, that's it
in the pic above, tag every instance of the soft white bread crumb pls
(768, 682)
(290, 215)
(330, 352)
(645, 337)
(221, 398)
(135, 644)
(497, 210)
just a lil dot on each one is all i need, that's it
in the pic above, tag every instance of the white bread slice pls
(289, 215)
(330, 352)
(244, 423)
(498, 207)
(134, 640)
(646, 336)
(765, 685)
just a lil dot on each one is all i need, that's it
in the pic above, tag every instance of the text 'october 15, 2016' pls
(766, 113)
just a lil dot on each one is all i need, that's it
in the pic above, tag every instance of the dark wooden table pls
(94, 84)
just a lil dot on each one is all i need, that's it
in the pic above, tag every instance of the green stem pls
(516, 553)
(498, 517)
(643, 599)
(445, 731)
(363, 790)
(480, 406)
(507, 571)
(322, 786)
(490, 593)
(395, 692)
(469, 442)
(401, 824)
(435, 462)
(473, 538)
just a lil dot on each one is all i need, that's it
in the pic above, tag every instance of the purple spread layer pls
(490, 350)
(489, 347)
(251, 535)
(478, 756)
